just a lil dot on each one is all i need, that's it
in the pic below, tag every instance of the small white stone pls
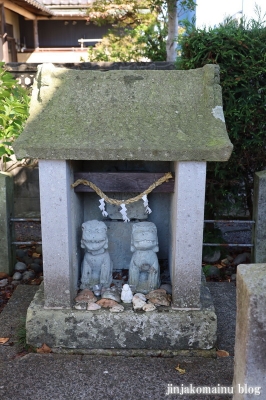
(140, 296)
(3, 282)
(149, 307)
(80, 306)
(138, 303)
(93, 307)
(116, 309)
(17, 276)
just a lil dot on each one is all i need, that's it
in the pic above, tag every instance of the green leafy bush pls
(144, 42)
(240, 51)
(14, 110)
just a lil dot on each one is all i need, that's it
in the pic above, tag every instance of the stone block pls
(187, 218)
(62, 216)
(250, 347)
(161, 329)
(119, 239)
(259, 216)
(6, 229)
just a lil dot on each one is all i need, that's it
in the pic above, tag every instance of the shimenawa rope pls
(159, 182)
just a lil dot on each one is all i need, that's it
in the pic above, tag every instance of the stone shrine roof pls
(157, 115)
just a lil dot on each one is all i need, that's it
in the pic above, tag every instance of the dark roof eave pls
(40, 7)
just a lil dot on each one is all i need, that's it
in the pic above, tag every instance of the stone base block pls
(161, 329)
(250, 348)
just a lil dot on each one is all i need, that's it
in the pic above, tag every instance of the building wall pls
(26, 32)
(60, 33)
(12, 19)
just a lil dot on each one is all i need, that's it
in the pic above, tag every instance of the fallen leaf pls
(44, 349)
(3, 275)
(180, 370)
(219, 266)
(19, 355)
(222, 353)
(36, 255)
(36, 281)
(3, 340)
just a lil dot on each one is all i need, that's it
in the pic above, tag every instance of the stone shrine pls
(123, 130)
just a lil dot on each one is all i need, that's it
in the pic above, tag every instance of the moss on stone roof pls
(126, 115)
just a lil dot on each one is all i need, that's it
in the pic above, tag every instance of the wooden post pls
(35, 33)
(3, 35)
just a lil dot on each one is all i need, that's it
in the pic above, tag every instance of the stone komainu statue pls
(97, 267)
(144, 269)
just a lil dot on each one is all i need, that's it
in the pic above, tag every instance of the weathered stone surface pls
(79, 329)
(148, 115)
(6, 212)
(250, 347)
(259, 215)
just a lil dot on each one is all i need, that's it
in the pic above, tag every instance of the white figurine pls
(126, 295)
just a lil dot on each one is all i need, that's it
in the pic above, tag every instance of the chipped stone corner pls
(218, 113)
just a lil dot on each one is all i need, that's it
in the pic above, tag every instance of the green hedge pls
(240, 52)
(14, 110)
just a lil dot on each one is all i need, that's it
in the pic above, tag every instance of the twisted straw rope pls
(159, 182)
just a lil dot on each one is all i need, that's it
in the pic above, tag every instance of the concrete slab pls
(76, 377)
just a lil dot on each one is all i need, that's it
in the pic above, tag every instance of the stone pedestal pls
(161, 329)
(250, 348)
(6, 229)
